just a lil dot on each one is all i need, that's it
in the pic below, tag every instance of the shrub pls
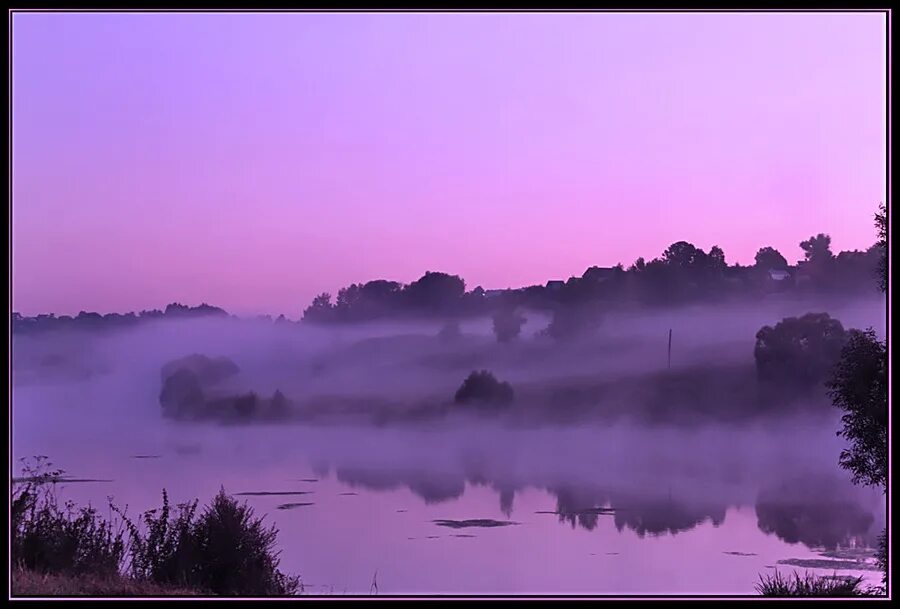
(224, 551)
(485, 388)
(235, 552)
(799, 351)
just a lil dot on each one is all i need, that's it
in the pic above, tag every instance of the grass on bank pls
(32, 583)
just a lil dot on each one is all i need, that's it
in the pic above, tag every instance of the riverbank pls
(33, 584)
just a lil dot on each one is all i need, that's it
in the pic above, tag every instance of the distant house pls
(598, 274)
(779, 280)
(555, 285)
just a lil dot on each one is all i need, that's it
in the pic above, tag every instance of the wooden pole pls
(670, 347)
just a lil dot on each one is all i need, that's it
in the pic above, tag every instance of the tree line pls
(95, 321)
(683, 274)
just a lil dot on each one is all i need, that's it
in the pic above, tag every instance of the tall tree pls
(683, 254)
(769, 258)
(717, 258)
(817, 249)
(881, 227)
(859, 388)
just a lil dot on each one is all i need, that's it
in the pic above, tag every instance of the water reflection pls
(433, 488)
(813, 511)
(816, 510)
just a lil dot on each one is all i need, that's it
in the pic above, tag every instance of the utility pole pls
(670, 347)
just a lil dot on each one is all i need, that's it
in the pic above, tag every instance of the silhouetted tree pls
(799, 350)
(483, 387)
(817, 249)
(683, 255)
(881, 227)
(347, 298)
(859, 388)
(717, 258)
(768, 258)
(435, 291)
(321, 309)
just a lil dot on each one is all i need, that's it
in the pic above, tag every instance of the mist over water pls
(621, 505)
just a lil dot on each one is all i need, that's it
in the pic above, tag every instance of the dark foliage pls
(881, 244)
(799, 350)
(809, 585)
(48, 538)
(226, 550)
(882, 557)
(768, 258)
(482, 387)
(859, 388)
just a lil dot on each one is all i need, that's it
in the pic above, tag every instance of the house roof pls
(598, 273)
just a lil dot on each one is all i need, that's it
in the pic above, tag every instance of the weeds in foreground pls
(226, 550)
(49, 538)
(811, 585)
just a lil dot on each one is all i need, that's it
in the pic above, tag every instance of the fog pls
(668, 465)
(394, 367)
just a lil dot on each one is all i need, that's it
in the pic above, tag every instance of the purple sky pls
(254, 160)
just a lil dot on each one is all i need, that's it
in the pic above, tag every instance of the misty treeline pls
(683, 274)
(94, 321)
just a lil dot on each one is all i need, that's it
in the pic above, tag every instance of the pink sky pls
(254, 160)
